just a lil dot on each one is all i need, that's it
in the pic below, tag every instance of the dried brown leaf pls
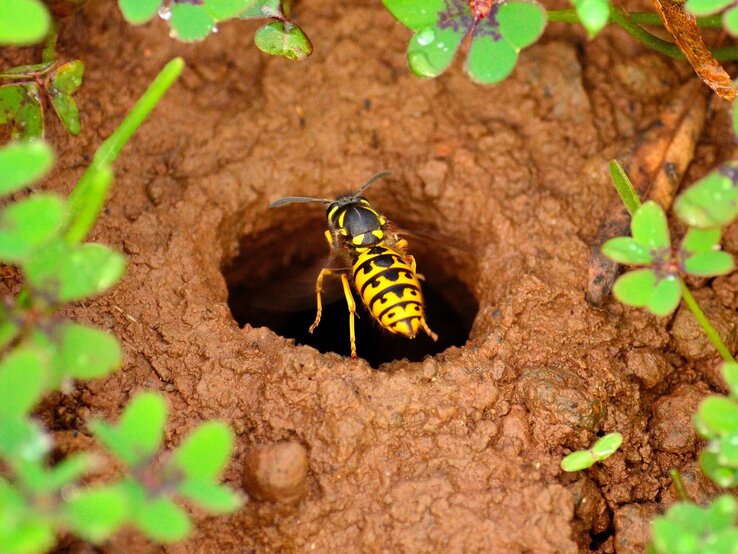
(683, 27)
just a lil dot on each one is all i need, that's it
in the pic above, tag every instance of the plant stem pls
(701, 318)
(639, 18)
(88, 196)
(109, 150)
(630, 23)
(681, 491)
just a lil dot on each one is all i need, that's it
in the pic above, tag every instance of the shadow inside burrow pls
(271, 283)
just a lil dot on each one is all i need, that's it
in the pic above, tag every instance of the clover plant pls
(601, 450)
(193, 21)
(42, 235)
(21, 98)
(191, 471)
(689, 529)
(498, 32)
(658, 285)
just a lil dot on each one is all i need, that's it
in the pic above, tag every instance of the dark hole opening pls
(271, 283)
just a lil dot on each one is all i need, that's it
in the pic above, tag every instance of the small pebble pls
(277, 472)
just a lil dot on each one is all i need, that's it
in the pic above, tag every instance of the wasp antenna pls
(372, 180)
(298, 200)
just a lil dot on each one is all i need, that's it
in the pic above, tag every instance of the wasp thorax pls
(357, 221)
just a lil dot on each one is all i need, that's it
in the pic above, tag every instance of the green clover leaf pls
(498, 31)
(712, 201)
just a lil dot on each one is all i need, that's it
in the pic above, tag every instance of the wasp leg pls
(427, 329)
(352, 311)
(319, 289)
(411, 260)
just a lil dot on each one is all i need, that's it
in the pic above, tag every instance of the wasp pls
(380, 267)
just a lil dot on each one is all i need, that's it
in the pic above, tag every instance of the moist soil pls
(413, 447)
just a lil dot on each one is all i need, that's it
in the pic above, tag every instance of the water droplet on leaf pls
(165, 12)
(425, 37)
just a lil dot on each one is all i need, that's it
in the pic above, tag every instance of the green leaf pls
(68, 78)
(624, 186)
(431, 50)
(21, 164)
(734, 111)
(707, 7)
(719, 414)
(728, 453)
(490, 61)
(72, 272)
(521, 23)
(110, 439)
(85, 207)
(730, 21)
(23, 22)
(142, 424)
(30, 536)
(205, 452)
(626, 250)
(281, 38)
(68, 470)
(722, 513)
(415, 14)
(635, 287)
(730, 373)
(701, 240)
(709, 264)
(96, 513)
(215, 498)
(261, 9)
(68, 112)
(24, 71)
(26, 225)
(23, 439)
(29, 119)
(649, 226)
(220, 10)
(86, 353)
(606, 446)
(190, 22)
(577, 461)
(163, 521)
(139, 11)
(11, 98)
(722, 476)
(712, 201)
(21, 382)
(594, 14)
(665, 296)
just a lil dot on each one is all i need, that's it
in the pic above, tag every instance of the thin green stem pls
(679, 488)
(631, 24)
(49, 52)
(639, 18)
(87, 198)
(621, 18)
(707, 327)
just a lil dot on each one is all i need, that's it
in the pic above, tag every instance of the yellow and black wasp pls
(383, 271)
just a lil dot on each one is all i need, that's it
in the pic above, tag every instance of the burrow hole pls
(271, 283)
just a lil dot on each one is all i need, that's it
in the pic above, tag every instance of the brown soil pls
(457, 452)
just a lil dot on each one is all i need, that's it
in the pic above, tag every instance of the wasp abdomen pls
(390, 289)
